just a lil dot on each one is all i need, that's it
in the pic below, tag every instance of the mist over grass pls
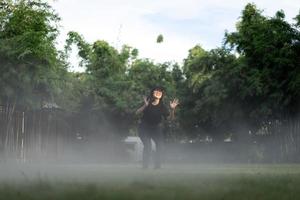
(202, 181)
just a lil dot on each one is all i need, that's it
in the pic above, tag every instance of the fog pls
(112, 161)
(46, 145)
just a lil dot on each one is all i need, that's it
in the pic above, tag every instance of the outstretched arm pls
(173, 105)
(142, 108)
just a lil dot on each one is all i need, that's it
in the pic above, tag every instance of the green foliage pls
(83, 47)
(225, 93)
(160, 38)
(212, 81)
(269, 46)
(117, 81)
(30, 63)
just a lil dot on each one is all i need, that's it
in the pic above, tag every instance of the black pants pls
(155, 133)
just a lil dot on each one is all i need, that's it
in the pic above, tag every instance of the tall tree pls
(30, 63)
(269, 47)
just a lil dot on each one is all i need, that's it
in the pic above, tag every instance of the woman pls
(153, 112)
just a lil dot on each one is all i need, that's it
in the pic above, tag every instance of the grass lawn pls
(91, 182)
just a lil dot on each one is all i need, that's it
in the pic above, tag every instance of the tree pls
(269, 47)
(209, 98)
(30, 63)
(32, 69)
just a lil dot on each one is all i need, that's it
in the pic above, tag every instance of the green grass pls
(91, 182)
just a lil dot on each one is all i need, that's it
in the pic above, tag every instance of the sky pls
(137, 23)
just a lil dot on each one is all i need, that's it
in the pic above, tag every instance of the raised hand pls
(146, 101)
(174, 103)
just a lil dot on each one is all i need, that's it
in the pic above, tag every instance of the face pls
(157, 94)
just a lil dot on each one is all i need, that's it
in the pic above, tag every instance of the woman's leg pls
(157, 137)
(145, 138)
